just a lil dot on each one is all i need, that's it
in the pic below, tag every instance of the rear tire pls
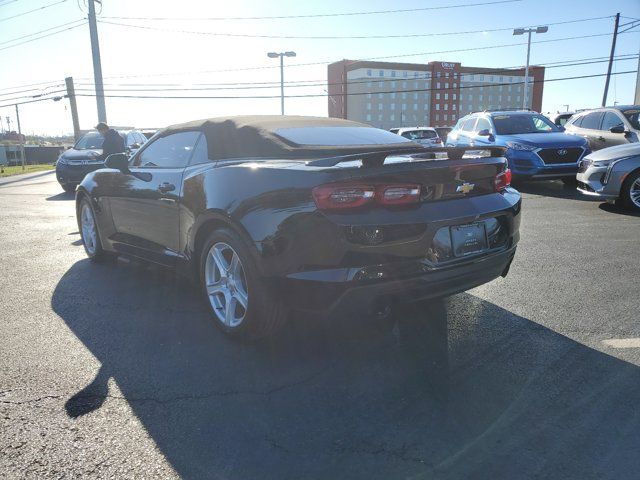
(569, 182)
(69, 188)
(89, 232)
(630, 191)
(239, 300)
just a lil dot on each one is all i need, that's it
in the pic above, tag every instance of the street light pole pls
(281, 55)
(529, 31)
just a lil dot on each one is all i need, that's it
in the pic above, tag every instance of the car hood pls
(73, 154)
(544, 140)
(619, 151)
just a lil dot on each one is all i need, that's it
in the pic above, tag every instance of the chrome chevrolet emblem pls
(465, 187)
(562, 152)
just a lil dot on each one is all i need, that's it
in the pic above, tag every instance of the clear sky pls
(156, 58)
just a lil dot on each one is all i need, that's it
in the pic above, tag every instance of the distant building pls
(12, 137)
(387, 95)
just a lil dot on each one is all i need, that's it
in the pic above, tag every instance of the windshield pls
(89, 140)
(339, 136)
(519, 123)
(633, 117)
(419, 134)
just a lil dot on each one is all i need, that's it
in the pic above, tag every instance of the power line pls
(3, 4)
(22, 97)
(323, 15)
(31, 11)
(313, 83)
(382, 57)
(32, 90)
(30, 101)
(336, 37)
(43, 36)
(324, 84)
(258, 97)
(41, 31)
(29, 85)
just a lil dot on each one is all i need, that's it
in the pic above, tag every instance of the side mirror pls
(118, 161)
(617, 129)
(484, 133)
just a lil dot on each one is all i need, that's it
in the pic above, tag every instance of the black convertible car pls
(274, 213)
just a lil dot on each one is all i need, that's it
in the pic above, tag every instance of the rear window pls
(633, 117)
(519, 124)
(419, 134)
(592, 120)
(339, 136)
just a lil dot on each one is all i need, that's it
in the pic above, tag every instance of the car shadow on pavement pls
(454, 389)
(608, 207)
(61, 196)
(553, 188)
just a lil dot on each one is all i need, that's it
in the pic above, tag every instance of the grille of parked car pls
(560, 155)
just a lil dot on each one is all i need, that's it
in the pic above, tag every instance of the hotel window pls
(393, 94)
(501, 79)
(380, 84)
(393, 84)
(446, 106)
(381, 73)
(415, 95)
(446, 75)
(470, 108)
(380, 117)
(480, 97)
(404, 106)
(415, 85)
(415, 74)
(380, 96)
(455, 96)
(368, 95)
(453, 106)
(470, 97)
(438, 85)
(368, 73)
(379, 106)
(446, 117)
(482, 78)
(405, 74)
(471, 78)
(415, 106)
(453, 117)
(455, 85)
(368, 117)
(438, 74)
(392, 117)
(393, 106)
(437, 96)
(393, 73)
(437, 117)
(446, 96)
(404, 84)
(404, 95)
(491, 78)
(437, 106)
(369, 106)
(518, 98)
(370, 84)
(446, 85)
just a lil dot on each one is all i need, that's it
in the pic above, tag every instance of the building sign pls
(448, 66)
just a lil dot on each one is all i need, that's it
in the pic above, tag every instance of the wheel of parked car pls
(89, 232)
(69, 188)
(630, 193)
(570, 181)
(238, 297)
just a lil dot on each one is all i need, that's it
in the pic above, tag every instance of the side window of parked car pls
(483, 124)
(611, 120)
(592, 120)
(201, 152)
(468, 125)
(171, 151)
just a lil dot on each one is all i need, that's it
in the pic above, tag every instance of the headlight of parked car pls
(521, 146)
(61, 160)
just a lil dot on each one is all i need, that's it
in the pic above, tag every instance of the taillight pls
(339, 197)
(502, 180)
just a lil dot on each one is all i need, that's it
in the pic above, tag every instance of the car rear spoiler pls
(378, 157)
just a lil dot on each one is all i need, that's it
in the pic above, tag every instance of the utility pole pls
(20, 136)
(613, 51)
(97, 67)
(281, 55)
(71, 94)
(636, 100)
(529, 31)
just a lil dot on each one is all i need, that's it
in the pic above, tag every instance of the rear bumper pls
(325, 292)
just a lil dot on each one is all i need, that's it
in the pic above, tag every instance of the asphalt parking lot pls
(115, 370)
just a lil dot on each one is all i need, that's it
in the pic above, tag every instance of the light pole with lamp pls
(529, 31)
(281, 55)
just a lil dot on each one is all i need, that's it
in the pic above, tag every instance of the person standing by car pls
(113, 141)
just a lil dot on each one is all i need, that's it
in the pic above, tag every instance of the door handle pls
(165, 187)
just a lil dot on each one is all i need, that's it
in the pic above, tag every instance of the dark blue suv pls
(536, 147)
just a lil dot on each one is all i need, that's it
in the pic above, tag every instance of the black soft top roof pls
(255, 136)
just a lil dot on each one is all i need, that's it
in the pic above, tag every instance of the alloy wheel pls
(634, 192)
(226, 284)
(88, 226)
